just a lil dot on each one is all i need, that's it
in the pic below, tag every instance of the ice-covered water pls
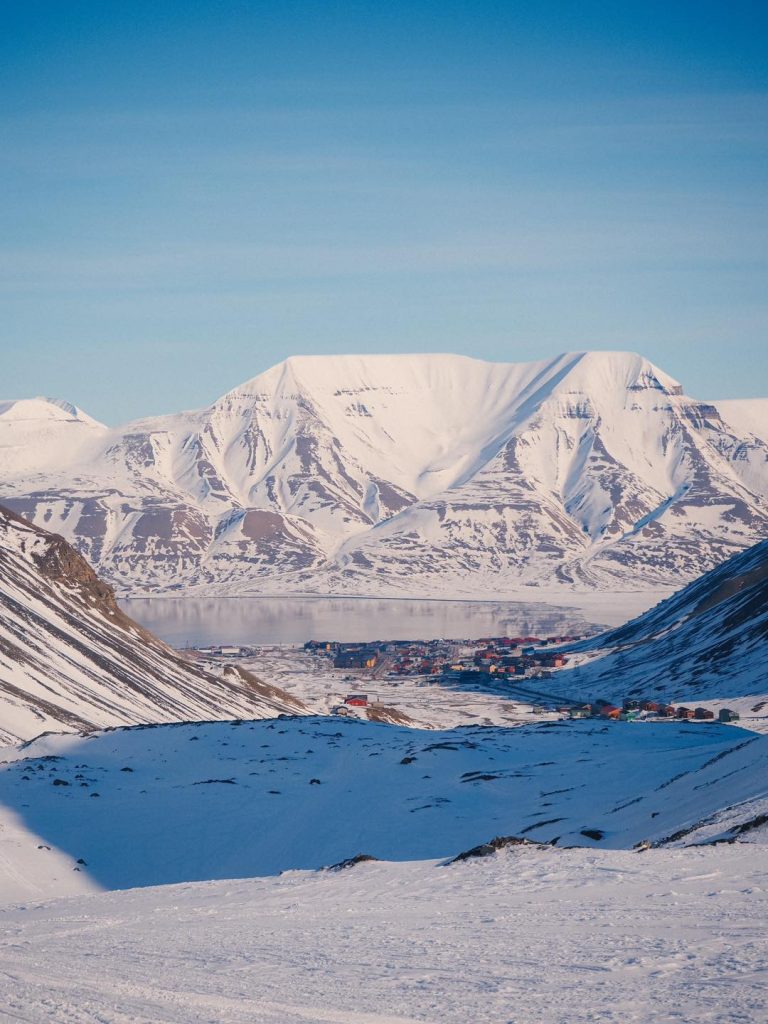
(270, 620)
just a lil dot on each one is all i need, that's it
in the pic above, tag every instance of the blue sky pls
(192, 191)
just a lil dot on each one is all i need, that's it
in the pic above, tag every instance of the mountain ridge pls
(432, 475)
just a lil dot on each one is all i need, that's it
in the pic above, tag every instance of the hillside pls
(172, 803)
(429, 475)
(706, 643)
(70, 659)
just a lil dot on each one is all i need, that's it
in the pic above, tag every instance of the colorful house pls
(610, 711)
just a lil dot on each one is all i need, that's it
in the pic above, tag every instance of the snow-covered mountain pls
(706, 643)
(426, 474)
(70, 659)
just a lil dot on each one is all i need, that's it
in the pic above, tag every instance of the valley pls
(703, 648)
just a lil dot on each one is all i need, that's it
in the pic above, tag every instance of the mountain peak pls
(598, 368)
(582, 369)
(44, 408)
(415, 473)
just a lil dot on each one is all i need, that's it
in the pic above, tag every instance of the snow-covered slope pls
(747, 415)
(69, 658)
(42, 434)
(706, 643)
(429, 474)
(171, 803)
(530, 936)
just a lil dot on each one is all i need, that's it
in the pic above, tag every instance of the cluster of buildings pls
(510, 656)
(499, 660)
(226, 651)
(632, 709)
(454, 659)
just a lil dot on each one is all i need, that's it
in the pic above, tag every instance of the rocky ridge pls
(71, 659)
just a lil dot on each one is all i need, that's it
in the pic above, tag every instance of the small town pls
(462, 660)
(522, 665)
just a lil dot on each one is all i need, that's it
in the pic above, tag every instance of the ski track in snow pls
(527, 936)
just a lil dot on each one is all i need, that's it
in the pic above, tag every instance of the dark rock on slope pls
(71, 659)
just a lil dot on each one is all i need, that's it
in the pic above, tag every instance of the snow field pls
(528, 936)
(170, 803)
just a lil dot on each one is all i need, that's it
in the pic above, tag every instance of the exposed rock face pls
(352, 862)
(70, 658)
(494, 845)
(61, 564)
(430, 475)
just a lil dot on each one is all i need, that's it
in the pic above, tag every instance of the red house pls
(357, 700)
(610, 711)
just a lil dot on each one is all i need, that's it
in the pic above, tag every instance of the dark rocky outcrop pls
(494, 845)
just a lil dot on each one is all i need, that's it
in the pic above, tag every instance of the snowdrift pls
(169, 803)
